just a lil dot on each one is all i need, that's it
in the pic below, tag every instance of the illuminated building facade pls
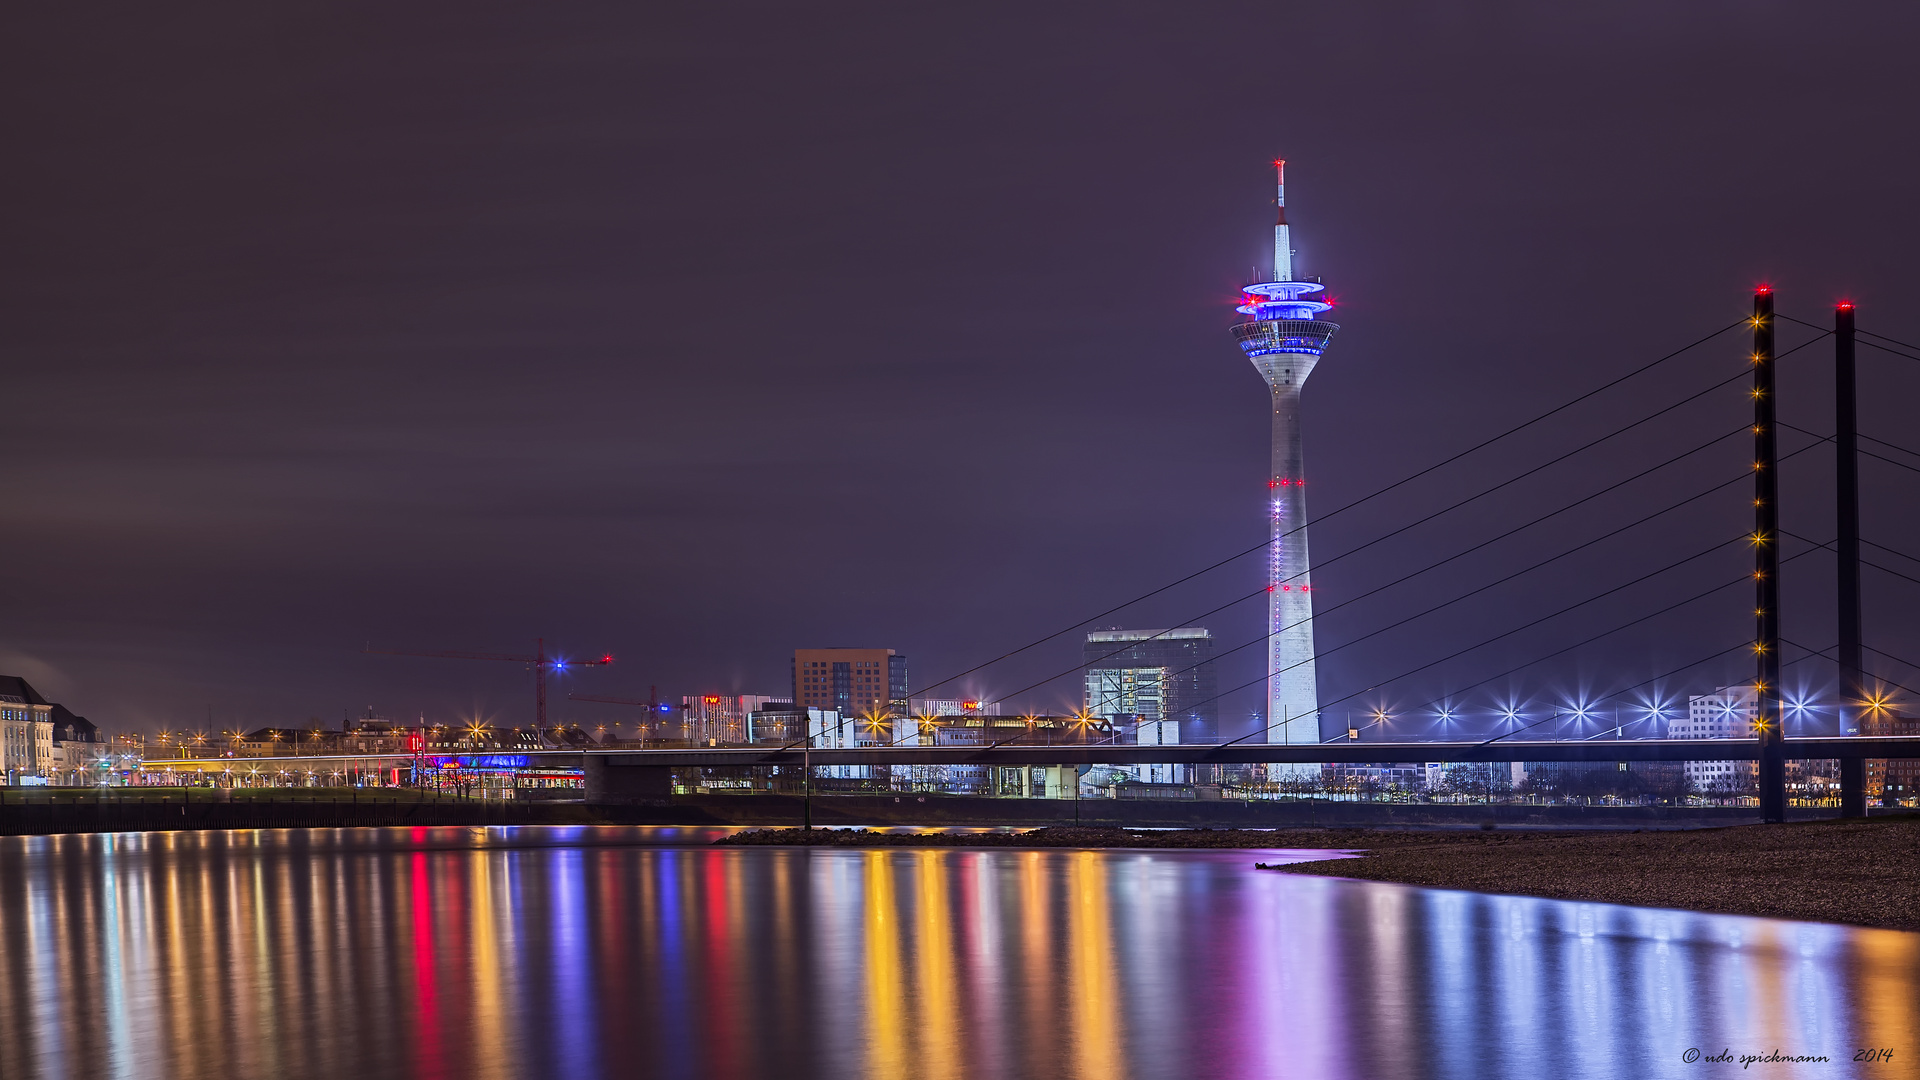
(1162, 677)
(26, 732)
(1727, 713)
(850, 681)
(722, 719)
(1284, 336)
(1893, 780)
(954, 707)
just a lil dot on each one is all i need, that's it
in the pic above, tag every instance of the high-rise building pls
(1155, 677)
(1284, 337)
(850, 681)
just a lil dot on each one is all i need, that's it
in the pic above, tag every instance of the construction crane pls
(540, 662)
(653, 704)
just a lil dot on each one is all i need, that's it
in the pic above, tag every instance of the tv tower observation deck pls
(1284, 337)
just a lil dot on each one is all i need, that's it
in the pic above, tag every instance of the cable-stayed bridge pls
(1750, 602)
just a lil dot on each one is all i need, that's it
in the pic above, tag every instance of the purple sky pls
(696, 333)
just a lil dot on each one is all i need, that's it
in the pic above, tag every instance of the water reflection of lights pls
(484, 953)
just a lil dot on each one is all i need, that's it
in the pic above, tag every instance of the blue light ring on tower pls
(1284, 290)
(1297, 311)
(1305, 336)
(1268, 300)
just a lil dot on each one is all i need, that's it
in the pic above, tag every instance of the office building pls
(1164, 678)
(850, 681)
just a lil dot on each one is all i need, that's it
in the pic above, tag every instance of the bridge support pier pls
(1846, 485)
(1853, 787)
(1768, 721)
(623, 781)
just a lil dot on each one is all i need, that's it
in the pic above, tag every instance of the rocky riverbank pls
(1862, 872)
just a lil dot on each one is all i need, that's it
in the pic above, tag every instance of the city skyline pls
(575, 541)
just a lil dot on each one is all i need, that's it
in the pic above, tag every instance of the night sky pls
(697, 333)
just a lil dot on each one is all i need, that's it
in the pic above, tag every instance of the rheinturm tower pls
(1284, 336)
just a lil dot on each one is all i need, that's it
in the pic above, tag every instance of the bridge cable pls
(1864, 453)
(1515, 630)
(1617, 728)
(1551, 655)
(1860, 333)
(1535, 566)
(1828, 546)
(1265, 590)
(1822, 654)
(1744, 320)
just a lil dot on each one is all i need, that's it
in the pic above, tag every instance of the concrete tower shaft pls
(1284, 337)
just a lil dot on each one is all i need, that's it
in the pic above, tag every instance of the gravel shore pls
(1862, 872)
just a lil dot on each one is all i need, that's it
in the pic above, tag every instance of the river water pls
(581, 953)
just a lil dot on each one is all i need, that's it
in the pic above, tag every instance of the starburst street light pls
(875, 719)
(1878, 701)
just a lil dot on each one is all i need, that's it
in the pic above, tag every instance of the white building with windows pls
(1136, 698)
(1727, 713)
(1158, 733)
(26, 732)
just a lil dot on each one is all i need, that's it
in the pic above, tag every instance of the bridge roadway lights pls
(619, 772)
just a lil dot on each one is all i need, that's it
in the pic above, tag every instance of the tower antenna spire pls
(1282, 243)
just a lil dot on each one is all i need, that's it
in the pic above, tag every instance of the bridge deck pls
(1904, 746)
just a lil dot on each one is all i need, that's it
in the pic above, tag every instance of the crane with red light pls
(539, 661)
(653, 704)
